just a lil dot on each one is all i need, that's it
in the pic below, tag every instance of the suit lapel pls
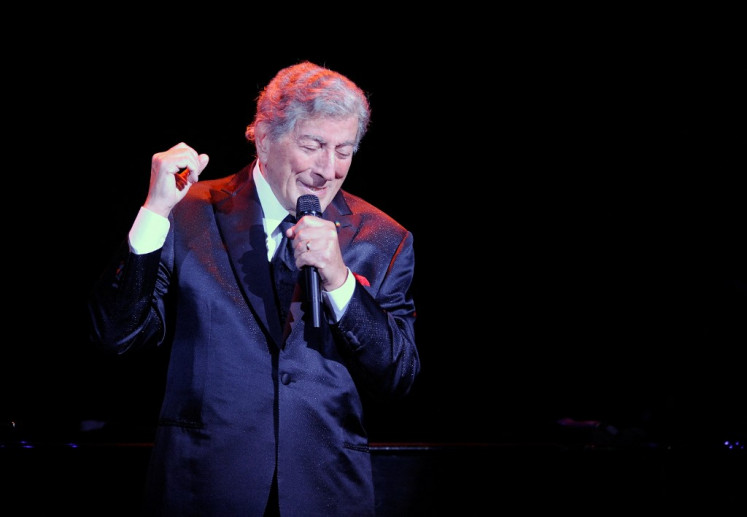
(346, 222)
(238, 215)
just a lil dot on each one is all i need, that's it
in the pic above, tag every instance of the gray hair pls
(304, 91)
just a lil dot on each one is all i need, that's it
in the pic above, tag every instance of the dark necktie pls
(284, 270)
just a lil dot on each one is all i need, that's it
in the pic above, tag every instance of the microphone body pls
(308, 204)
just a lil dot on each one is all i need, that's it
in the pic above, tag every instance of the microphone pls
(308, 204)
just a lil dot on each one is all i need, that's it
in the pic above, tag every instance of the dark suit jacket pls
(239, 399)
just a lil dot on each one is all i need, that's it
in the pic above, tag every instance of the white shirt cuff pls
(338, 299)
(148, 232)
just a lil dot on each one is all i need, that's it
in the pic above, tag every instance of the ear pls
(261, 142)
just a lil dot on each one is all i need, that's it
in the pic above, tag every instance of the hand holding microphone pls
(317, 251)
(309, 205)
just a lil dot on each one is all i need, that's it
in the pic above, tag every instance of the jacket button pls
(285, 378)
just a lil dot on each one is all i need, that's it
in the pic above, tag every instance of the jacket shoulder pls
(368, 212)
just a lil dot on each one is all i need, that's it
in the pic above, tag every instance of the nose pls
(326, 165)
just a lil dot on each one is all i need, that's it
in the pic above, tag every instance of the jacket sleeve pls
(125, 309)
(377, 328)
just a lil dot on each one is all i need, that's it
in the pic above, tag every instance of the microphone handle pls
(308, 204)
(313, 285)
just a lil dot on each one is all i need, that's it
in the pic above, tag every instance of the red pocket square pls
(362, 279)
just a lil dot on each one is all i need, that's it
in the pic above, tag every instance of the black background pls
(575, 193)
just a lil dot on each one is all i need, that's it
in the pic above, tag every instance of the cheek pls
(298, 162)
(341, 170)
(286, 167)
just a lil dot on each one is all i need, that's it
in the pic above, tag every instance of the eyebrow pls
(322, 141)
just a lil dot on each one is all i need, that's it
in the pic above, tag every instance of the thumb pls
(190, 175)
(204, 159)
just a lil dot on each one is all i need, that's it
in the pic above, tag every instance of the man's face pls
(314, 158)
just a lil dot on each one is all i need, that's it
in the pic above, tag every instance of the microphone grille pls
(308, 203)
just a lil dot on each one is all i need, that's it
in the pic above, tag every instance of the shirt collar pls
(273, 211)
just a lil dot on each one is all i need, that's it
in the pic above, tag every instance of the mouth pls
(313, 190)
